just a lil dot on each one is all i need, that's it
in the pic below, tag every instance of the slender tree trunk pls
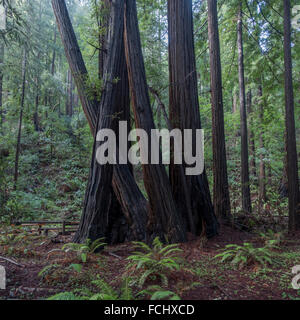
(1, 86)
(234, 102)
(184, 114)
(246, 198)
(37, 81)
(130, 197)
(292, 164)
(262, 167)
(165, 219)
(69, 98)
(283, 187)
(18, 147)
(103, 27)
(221, 188)
(251, 136)
(54, 52)
(37, 102)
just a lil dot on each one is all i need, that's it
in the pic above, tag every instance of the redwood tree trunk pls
(184, 114)
(37, 80)
(292, 164)
(262, 166)
(130, 197)
(165, 219)
(103, 27)
(221, 188)
(18, 147)
(54, 53)
(1, 87)
(98, 201)
(246, 199)
(251, 136)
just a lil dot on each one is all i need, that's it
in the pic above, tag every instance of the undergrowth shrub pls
(153, 263)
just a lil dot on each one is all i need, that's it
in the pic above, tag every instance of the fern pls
(154, 262)
(157, 293)
(247, 254)
(66, 296)
(84, 249)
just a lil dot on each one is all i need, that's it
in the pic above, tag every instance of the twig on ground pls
(114, 255)
(11, 261)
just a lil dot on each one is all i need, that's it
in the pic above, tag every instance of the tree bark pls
(18, 147)
(130, 197)
(221, 188)
(262, 166)
(54, 52)
(97, 208)
(184, 114)
(251, 136)
(234, 102)
(1, 86)
(164, 218)
(292, 164)
(103, 27)
(69, 98)
(246, 199)
(37, 80)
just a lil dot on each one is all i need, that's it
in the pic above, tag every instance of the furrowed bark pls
(184, 113)
(251, 135)
(1, 86)
(96, 213)
(125, 187)
(165, 220)
(221, 188)
(292, 163)
(18, 147)
(262, 167)
(246, 199)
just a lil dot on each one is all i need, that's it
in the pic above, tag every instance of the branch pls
(11, 261)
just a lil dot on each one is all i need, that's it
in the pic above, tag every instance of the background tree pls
(292, 164)
(221, 188)
(184, 114)
(246, 198)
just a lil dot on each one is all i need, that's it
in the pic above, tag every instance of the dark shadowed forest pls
(135, 227)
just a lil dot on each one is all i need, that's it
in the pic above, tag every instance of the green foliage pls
(247, 254)
(157, 293)
(152, 263)
(76, 267)
(270, 236)
(66, 296)
(108, 293)
(84, 249)
(48, 270)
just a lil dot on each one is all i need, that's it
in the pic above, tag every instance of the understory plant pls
(84, 249)
(153, 263)
(247, 254)
(108, 293)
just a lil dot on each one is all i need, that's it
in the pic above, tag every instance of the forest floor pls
(202, 276)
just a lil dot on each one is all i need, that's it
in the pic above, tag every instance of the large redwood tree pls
(185, 114)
